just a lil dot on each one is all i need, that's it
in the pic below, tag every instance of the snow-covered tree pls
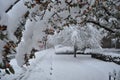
(87, 36)
(80, 38)
(59, 13)
(46, 16)
(10, 21)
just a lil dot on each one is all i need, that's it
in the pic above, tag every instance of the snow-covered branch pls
(102, 26)
(12, 5)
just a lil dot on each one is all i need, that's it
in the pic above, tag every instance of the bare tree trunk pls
(45, 45)
(75, 50)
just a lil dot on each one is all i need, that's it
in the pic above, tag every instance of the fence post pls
(109, 75)
(114, 74)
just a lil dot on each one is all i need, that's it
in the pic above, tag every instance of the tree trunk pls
(75, 50)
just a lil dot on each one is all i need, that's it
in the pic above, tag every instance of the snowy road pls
(49, 66)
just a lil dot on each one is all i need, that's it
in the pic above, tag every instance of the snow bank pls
(63, 49)
(15, 14)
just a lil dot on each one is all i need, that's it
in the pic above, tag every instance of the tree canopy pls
(27, 24)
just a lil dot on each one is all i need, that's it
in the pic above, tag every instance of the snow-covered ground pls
(49, 66)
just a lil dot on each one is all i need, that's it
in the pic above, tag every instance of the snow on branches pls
(57, 14)
(86, 37)
(9, 22)
(32, 39)
(35, 20)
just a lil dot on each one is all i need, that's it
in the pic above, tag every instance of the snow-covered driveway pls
(66, 67)
(49, 66)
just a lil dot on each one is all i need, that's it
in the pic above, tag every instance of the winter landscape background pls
(60, 39)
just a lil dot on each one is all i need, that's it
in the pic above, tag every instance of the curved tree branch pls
(12, 6)
(97, 23)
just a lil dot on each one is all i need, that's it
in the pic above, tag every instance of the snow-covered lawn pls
(49, 66)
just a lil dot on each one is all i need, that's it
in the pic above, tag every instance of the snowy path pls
(66, 67)
(49, 66)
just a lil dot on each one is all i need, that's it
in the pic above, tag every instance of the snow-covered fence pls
(114, 75)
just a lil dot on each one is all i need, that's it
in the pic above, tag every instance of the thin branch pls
(106, 10)
(43, 15)
(12, 6)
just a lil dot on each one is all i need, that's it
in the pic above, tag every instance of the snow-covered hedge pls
(105, 55)
(108, 58)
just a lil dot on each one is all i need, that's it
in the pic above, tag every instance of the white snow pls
(15, 14)
(32, 38)
(11, 19)
(63, 49)
(49, 66)
(6, 4)
(88, 36)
